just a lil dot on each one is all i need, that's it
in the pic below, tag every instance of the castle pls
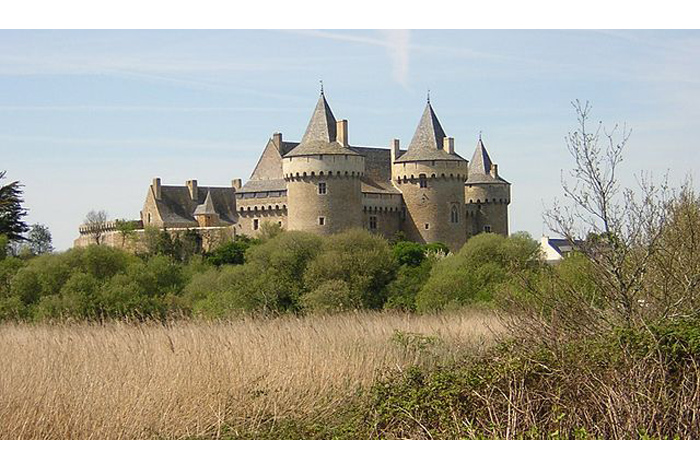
(325, 185)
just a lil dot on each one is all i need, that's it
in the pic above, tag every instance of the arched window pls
(454, 215)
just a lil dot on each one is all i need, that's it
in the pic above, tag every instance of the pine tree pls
(11, 210)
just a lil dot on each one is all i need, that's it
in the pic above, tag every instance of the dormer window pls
(422, 180)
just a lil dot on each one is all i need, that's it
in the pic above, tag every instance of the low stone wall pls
(135, 241)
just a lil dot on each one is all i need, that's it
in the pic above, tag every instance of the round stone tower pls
(431, 177)
(323, 174)
(487, 195)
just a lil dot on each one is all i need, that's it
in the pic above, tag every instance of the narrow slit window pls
(422, 181)
(373, 222)
(321, 221)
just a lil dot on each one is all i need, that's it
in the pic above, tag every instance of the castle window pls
(321, 188)
(256, 224)
(321, 221)
(422, 181)
(149, 217)
(279, 223)
(427, 226)
(454, 215)
(487, 228)
(373, 222)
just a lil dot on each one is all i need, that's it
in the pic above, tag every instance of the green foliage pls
(475, 273)
(39, 239)
(403, 290)
(4, 246)
(11, 211)
(231, 252)
(331, 296)
(361, 260)
(408, 253)
(269, 230)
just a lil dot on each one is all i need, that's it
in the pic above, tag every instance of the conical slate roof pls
(320, 135)
(207, 208)
(479, 170)
(427, 142)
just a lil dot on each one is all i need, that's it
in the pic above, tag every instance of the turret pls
(323, 176)
(487, 195)
(431, 177)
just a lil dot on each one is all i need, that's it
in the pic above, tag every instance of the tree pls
(39, 239)
(11, 211)
(96, 220)
(618, 230)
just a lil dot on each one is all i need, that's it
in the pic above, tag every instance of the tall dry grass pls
(194, 379)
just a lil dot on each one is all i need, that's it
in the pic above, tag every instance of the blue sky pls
(87, 118)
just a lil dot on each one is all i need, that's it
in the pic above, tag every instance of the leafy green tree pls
(403, 290)
(476, 273)
(39, 239)
(408, 253)
(362, 260)
(11, 211)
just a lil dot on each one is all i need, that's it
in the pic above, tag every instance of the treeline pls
(283, 272)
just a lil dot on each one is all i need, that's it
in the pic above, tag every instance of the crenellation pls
(324, 185)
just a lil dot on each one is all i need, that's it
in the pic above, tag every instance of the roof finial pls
(428, 95)
(321, 82)
(479, 135)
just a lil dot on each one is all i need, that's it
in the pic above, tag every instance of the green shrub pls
(403, 290)
(331, 296)
(361, 260)
(408, 253)
(474, 274)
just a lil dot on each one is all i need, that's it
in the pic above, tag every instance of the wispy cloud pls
(396, 42)
(151, 143)
(155, 109)
(398, 47)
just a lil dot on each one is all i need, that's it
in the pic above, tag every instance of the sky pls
(88, 118)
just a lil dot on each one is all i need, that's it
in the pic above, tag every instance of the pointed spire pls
(481, 168)
(481, 161)
(321, 133)
(428, 140)
(207, 208)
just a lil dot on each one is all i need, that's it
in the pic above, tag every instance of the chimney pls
(192, 186)
(156, 188)
(395, 150)
(494, 170)
(448, 144)
(237, 182)
(342, 132)
(277, 140)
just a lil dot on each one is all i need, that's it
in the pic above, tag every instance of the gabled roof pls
(207, 208)
(427, 142)
(479, 170)
(320, 135)
(176, 207)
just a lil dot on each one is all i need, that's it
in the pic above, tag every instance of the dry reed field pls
(191, 378)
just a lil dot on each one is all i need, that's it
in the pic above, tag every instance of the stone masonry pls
(325, 185)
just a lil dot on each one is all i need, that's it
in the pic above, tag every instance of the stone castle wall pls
(429, 210)
(340, 208)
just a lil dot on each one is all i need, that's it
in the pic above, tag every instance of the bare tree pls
(619, 230)
(97, 225)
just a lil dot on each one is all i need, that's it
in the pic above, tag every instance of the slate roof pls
(263, 185)
(479, 170)
(177, 207)
(207, 208)
(372, 186)
(562, 245)
(320, 135)
(427, 141)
